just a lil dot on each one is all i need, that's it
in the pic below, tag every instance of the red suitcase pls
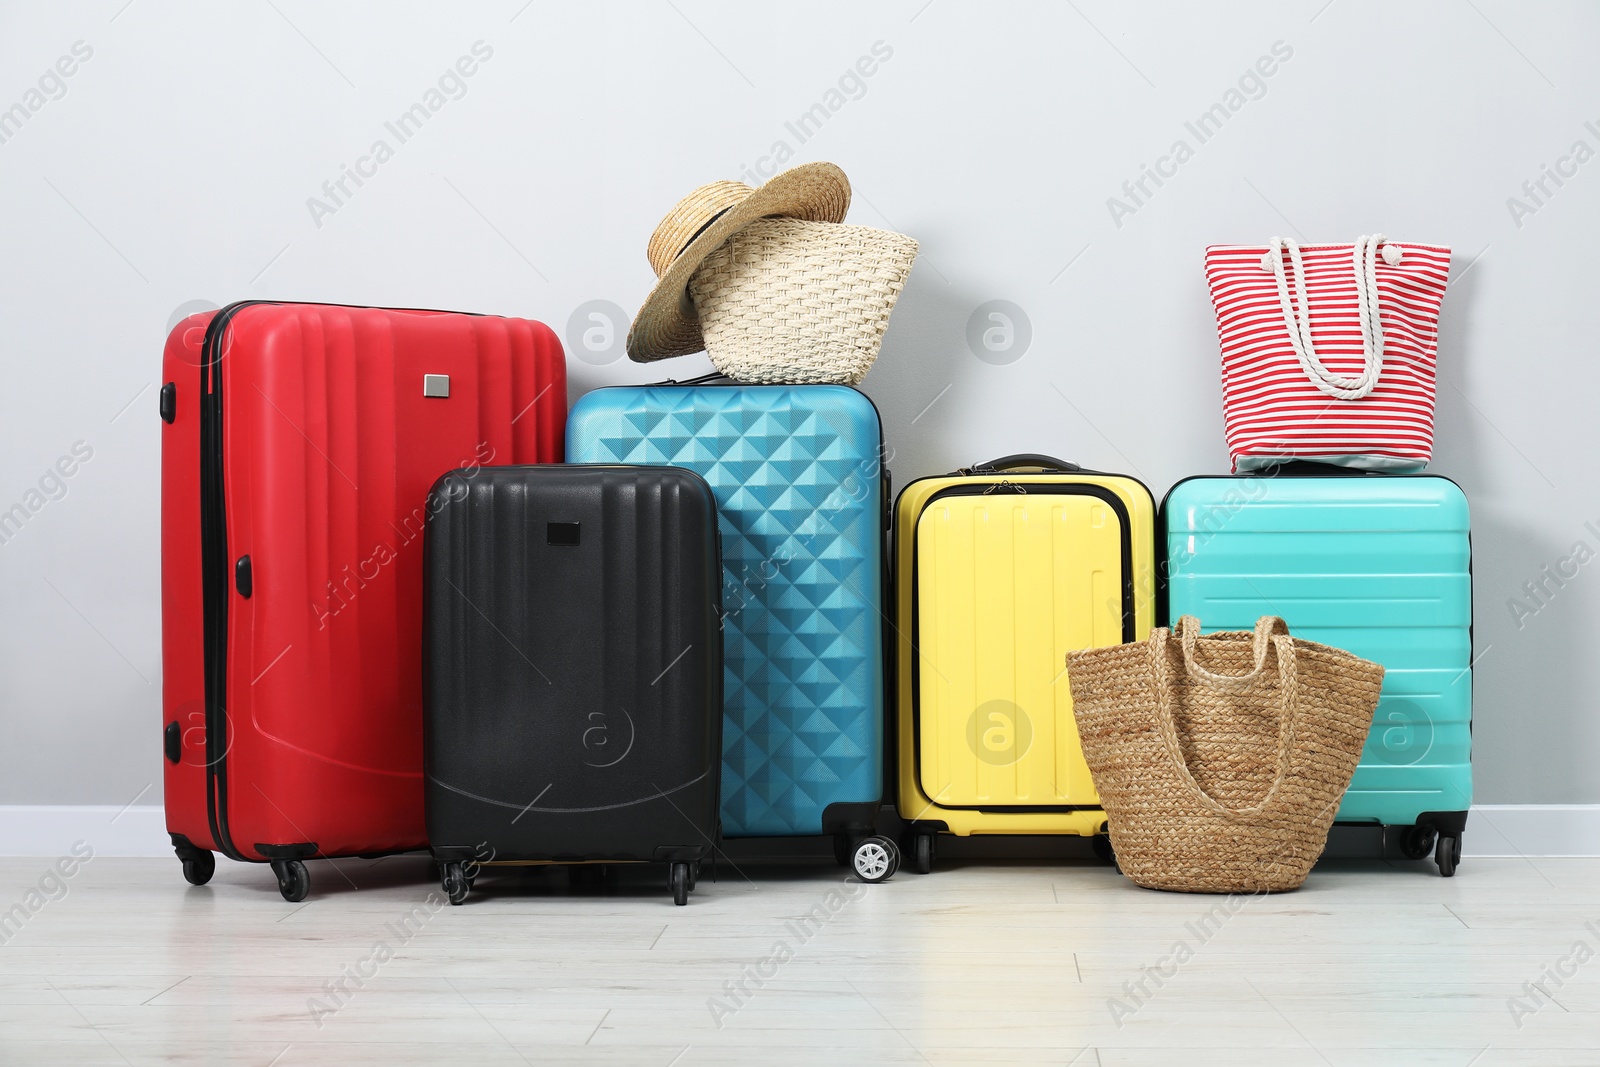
(299, 446)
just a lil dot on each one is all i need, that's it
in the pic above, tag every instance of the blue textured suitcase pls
(801, 492)
(1379, 565)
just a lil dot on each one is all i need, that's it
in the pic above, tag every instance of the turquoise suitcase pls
(798, 474)
(1379, 565)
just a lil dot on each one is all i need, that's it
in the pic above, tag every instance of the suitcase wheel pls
(681, 881)
(588, 875)
(1103, 850)
(1448, 854)
(293, 880)
(198, 865)
(1417, 841)
(455, 882)
(841, 849)
(923, 851)
(694, 874)
(874, 859)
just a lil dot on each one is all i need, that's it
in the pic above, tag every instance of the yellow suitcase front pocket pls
(1007, 583)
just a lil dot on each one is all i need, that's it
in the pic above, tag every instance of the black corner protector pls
(679, 853)
(180, 841)
(454, 853)
(1444, 822)
(303, 851)
(169, 402)
(845, 817)
(243, 580)
(172, 741)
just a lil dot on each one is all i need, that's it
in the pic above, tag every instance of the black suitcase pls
(572, 669)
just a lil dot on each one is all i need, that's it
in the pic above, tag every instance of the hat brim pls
(667, 324)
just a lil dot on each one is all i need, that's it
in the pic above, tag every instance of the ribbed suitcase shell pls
(999, 575)
(327, 447)
(1377, 565)
(797, 471)
(573, 684)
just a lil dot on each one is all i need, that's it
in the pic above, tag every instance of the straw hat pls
(667, 324)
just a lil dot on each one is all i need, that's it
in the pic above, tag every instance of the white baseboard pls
(141, 831)
(1532, 830)
(52, 829)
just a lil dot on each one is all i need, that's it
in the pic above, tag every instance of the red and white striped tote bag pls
(1329, 352)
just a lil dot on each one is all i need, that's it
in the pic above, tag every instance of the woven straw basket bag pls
(1221, 760)
(790, 301)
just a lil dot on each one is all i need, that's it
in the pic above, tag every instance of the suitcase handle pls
(1023, 459)
(701, 380)
(1309, 468)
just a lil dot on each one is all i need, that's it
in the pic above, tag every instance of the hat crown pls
(667, 323)
(688, 217)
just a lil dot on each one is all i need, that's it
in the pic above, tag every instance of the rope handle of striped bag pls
(1271, 632)
(1364, 258)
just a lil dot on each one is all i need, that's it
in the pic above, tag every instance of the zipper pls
(1104, 495)
(1128, 629)
(214, 570)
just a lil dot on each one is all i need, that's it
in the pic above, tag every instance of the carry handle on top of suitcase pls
(1050, 464)
(1310, 468)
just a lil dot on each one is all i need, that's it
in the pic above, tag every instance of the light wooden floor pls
(1372, 963)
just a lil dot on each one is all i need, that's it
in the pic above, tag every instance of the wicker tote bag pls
(796, 302)
(1221, 759)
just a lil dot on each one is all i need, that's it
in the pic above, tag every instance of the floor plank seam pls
(169, 989)
(597, 1026)
(1309, 1043)
(489, 1024)
(97, 1031)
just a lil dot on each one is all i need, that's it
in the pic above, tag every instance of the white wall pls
(178, 163)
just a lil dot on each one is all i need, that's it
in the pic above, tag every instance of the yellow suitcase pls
(1002, 569)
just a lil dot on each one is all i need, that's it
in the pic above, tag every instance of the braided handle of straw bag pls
(1271, 633)
(1364, 257)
